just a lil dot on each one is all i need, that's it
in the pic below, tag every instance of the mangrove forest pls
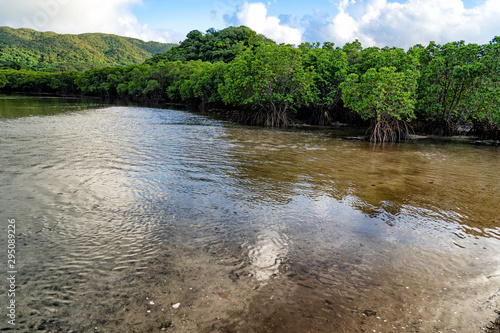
(435, 89)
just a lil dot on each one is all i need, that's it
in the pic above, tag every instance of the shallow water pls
(249, 229)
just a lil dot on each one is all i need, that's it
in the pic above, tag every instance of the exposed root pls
(388, 130)
(262, 118)
(320, 117)
(485, 130)
(439, 128)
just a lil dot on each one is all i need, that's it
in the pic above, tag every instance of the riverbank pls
(299, 120)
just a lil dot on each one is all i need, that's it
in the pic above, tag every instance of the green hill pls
(48, 51)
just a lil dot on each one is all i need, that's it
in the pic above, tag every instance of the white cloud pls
(80, 16)
(381, 23)
(254, 16)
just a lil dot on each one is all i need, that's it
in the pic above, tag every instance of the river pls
(135, 219)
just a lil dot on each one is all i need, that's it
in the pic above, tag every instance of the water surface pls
(123, 212)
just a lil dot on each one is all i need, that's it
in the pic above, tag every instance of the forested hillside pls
(437, 89)
(48, 51)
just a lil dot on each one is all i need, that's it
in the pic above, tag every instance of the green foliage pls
(269, 81)
(361, 60)
(486, 97)
(385, 96)
(201, 86)
(451, 74)
(382, 88)
(47, 51)
(3, 80)
(484, 102)
(193, 82)
(30, 81)
(382, 94)
(329, 68)
(205, 85)
(352, 51)
(179, 83)
(213, 46)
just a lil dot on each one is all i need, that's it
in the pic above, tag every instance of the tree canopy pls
(451, 74)
(329, 68)
(270, 81)
(214, 45)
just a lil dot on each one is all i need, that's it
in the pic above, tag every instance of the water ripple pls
(110, 196)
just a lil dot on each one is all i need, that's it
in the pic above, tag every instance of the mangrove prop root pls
(388, 130)
(262, 118)
(485, 130)
(320, 117)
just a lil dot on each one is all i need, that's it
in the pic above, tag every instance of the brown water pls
(122, 212)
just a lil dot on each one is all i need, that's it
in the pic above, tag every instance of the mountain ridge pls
(25, 48)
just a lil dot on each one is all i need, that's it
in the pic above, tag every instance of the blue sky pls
(401, 23)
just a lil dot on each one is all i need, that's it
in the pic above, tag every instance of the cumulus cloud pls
(314, 26)
(80, 16)
(381, 23)
(254, 16)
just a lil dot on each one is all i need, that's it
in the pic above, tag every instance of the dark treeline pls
(436, 89)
